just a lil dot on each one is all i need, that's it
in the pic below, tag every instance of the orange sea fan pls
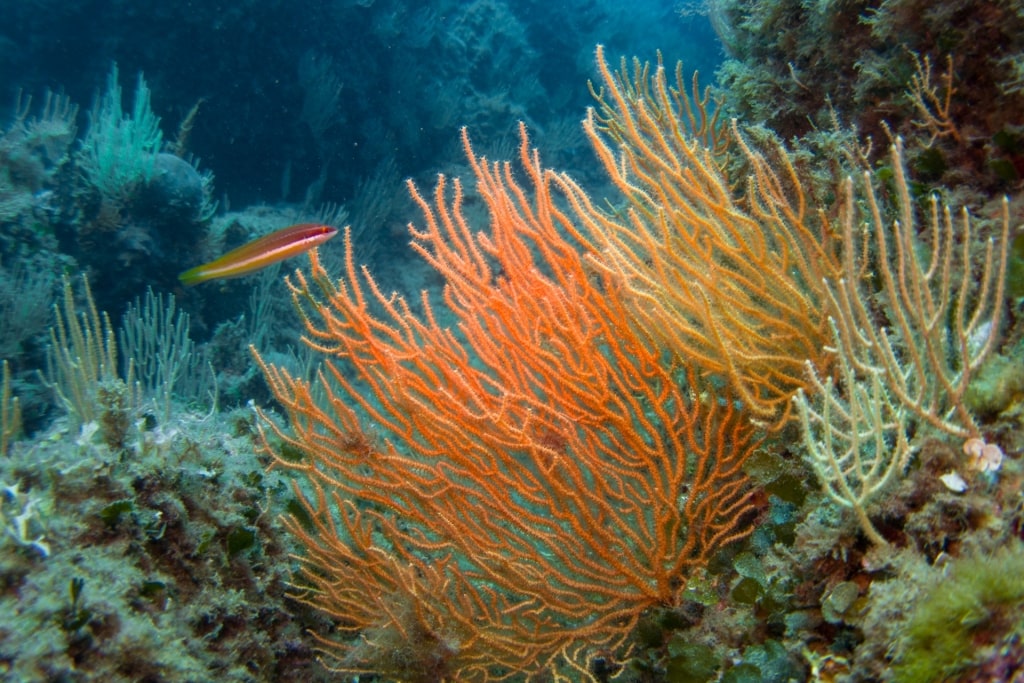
(731, 283)
(543, 473)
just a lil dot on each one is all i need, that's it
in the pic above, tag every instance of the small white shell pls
(954, 482)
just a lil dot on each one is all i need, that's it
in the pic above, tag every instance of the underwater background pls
(707, 388)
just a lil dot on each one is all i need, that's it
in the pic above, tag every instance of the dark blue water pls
(410, 74)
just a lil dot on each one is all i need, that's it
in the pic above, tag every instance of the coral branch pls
(942, 311)
(933, 102)
(731, 284)
(542, 474)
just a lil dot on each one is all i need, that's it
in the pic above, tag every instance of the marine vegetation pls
(512, 484)
(735, 396)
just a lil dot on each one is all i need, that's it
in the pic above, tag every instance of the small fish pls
(261, 252)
